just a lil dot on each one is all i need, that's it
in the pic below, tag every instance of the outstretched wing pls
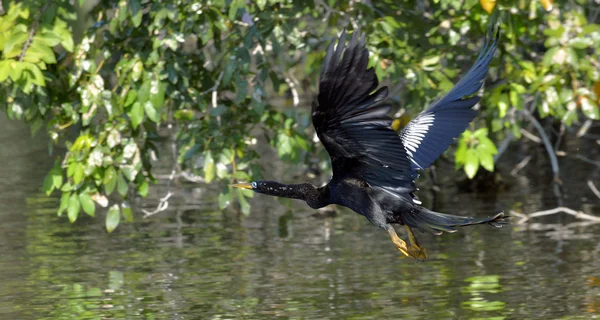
(428, 135)
(352, 123)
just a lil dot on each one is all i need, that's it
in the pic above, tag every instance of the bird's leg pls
(414, 250)
(400, 244)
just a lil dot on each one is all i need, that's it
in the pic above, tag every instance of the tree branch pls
(547, 143)
(27, 43)
(577, 214)
(593, 188)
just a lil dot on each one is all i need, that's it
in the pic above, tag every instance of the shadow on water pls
(286, 261)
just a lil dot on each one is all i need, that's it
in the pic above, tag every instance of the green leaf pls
(77, 172)
(143, 93)
(129, 172)
(4, 69)
(113, 217)
(302, 142)
(64, 203)
(209, 167)
(461, 152)
(16, 70)
(136, 13)
(17, 38)
(261, 4)
(503, 103)
(127, 212)
(151, 112)
(471, 163)
(87, 204)
(590, 108)
(143, 188)
(44, 52)
(480, 133)
(486, 144)
(184, 114)
(158, 95)
(222, 171)
(548, 59)
(73, 209)
(234, 7)
(486, 159)
(137, 70)
(122, 185)
(110, 180)
(580, 43)
(130, 98)
(48, 38)
(61, 29)
(516, 100)
(136, 114)
(224, 199)
(57, 178)
(244, 205)
(48, 186)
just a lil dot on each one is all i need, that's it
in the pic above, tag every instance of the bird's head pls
(254, 186)
(315, 197)
(267, 187)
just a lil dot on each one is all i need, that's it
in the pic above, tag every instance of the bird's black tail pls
(437, 222)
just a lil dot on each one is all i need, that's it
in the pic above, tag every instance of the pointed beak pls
(242, 185)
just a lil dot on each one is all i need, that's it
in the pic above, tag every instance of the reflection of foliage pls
(202, 71)
(479, 285)
(80, 302)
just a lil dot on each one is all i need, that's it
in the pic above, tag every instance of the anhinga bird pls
(374, 168)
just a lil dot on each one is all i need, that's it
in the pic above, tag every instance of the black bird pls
(374, 167)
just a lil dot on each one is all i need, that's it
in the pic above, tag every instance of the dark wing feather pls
(352, 123)
(428, 135)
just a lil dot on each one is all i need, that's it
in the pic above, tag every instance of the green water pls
(287, 261)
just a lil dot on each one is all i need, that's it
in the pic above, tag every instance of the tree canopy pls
(111, 80)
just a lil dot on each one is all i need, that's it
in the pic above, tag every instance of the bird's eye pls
(254, 185)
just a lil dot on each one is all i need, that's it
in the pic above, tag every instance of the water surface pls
(288, 261)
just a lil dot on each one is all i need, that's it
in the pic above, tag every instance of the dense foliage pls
(109, 80)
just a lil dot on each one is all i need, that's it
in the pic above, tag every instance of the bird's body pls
(374, 168)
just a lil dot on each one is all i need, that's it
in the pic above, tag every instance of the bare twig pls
(561, 134)
(503, 146)
(584, 128)
(520, 165)
(577, 214)
(182, 174)
(164, 201)
(290, 82)
(588, 160)
(162, 206)
(593, 188)
(34, 26)
(27, 43)
(530, 136)
(217, 83)
(547, 144)
(215, 93)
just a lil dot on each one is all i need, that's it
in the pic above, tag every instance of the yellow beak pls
(242, 185)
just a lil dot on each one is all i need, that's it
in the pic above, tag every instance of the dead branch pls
(593, 188)
(530, 136)
(588, 160)
(520, 165)
(547, 143)
(162, 206)
(577, 214)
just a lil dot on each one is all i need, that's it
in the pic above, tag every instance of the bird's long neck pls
(314, 197)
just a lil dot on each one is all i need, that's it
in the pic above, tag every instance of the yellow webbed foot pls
(413, 250)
